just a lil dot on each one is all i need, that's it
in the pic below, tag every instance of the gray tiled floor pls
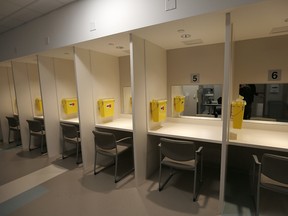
(74, 193)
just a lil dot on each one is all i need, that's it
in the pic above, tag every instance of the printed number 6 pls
(274, 75)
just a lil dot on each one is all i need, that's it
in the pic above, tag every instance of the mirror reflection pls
(200, 100)
(268, 102)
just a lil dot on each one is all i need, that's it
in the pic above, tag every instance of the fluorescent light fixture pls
(193, 42)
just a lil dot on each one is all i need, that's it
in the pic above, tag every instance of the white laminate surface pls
(70, 121)
(265, 139)
(123, 124)
(39, 117)
(190, 131)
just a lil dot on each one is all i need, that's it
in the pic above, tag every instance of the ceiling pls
(14, 13)
(266, 19)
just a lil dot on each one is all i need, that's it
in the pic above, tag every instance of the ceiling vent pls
(277, 30)
(192, 42)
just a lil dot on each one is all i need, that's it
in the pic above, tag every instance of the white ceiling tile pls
(45, 6)
(7, 8)
(26, 15)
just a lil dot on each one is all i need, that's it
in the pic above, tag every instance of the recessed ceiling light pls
(180, 30)
(185, 36)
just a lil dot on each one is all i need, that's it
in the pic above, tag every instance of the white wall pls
(65, 83)
(253, 59)
(71, 24)
(125, 84)
(105, 69)
(207, 61)
(34, 85)
(7, 98)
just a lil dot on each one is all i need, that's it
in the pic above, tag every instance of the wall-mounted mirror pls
(200, 100)
(267, 102)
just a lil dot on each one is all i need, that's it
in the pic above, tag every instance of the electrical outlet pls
(170, 5)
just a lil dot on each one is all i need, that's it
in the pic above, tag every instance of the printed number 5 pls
(195, 78)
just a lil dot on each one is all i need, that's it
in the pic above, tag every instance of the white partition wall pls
(7, 98)
(23, 94)
(50, 105)
(139, 106)
(156, 85)
(87, 105)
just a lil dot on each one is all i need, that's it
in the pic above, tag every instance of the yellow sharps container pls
(238, 108)
(179, 103)
(106, 107)
(158, 110)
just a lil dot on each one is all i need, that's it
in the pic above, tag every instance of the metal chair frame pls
(107, 145)
(71, 134)
(273, 167)
(36, 129)
(13, 123)
(176, 154)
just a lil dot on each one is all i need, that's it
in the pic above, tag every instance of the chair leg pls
(29, 142)
(9, 134)
(95, 160)
(77, 156)
(257, 201)
(119, 178)
(63, 149)
(42, 144)
(116, 169)
(167, 180)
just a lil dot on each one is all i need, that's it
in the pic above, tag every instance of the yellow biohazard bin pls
(238, 107)
(70, 105)
(38, 105)
(106, 107)
(179, 103)
(158, 110)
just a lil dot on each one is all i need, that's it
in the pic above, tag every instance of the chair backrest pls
(34, 125)
(275, 167)
(12, 121)
(70, 131)
(178, 149)
(104, 140)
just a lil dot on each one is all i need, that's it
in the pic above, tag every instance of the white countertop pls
(190, 131)
(265, 139)
(123, 124)
(70, 121)
(39, 117)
